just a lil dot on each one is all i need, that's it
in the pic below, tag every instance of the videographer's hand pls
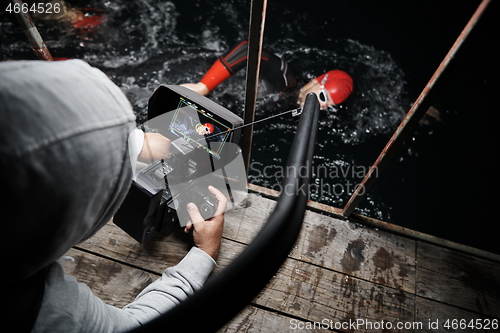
(207, 234)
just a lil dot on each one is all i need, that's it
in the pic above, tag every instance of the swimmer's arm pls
(199, 87)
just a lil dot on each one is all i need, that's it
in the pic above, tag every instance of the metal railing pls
(416, 112)
(31, 32)
(255, 39)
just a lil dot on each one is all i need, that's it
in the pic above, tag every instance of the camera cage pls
(204, 138)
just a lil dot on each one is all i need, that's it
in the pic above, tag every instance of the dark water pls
(442, 180)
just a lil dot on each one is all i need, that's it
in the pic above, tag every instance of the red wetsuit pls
(275, 70)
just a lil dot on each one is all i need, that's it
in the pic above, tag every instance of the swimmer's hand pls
(199, 87)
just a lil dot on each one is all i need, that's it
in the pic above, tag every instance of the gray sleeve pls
(71, 306)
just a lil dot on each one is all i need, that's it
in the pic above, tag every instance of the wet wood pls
(296, 290)
(155, 256)
(335, 244)
(252, 319)
(106, 278)
(314, 293)
(361, 252)
(438, 317)
(338, 271)
(458, 279)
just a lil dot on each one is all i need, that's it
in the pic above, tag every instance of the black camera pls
(203, 153)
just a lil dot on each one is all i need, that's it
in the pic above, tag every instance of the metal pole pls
(30, 30)
(255, 38)
(413, 116)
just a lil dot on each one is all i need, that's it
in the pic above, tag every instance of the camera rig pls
(203, 152)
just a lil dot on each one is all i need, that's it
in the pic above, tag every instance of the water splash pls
(143, 44)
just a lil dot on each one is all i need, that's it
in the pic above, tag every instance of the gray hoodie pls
(64, 170)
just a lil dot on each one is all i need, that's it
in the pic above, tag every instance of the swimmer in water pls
(332, 88)
(204, 129)
(83, 20)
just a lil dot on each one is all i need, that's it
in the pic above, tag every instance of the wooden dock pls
(340, 276)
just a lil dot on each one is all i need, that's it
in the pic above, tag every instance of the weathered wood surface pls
(439, 317)
(458, 279)
(154, 256)
(361, 252)
(314, 293)
(337, 271)
(357, 251)
(107, 278)
(298, 287)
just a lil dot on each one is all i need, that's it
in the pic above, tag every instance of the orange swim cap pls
(338, 83)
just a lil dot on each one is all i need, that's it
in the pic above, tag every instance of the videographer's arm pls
(207, 234)
(155, 147)
(175, 285)
(148, 147)
(89, 313)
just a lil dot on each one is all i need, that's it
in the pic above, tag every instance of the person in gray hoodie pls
(64, 171)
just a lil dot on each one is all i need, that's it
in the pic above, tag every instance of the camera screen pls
(199, 127)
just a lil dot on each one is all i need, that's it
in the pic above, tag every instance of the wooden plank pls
(115, 243)
(160, 253)
(458, 279)
(351, 249)
(337, 271)
(106, 278)
(325, 241)
(256, 320)
(300, 289)
(439, 317)
(314, 293)
(305, 292)
(430, 316)
(339, 245)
